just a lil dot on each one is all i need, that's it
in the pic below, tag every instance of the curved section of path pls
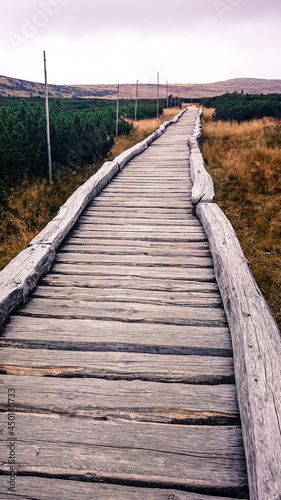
(121, 361)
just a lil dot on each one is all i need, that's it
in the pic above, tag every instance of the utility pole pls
(158, 94)
(136, 108)
(117, 110)
(48, 123)
(167, 94)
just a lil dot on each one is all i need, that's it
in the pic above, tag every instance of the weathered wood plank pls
(45, 488)
(182, 212)
(163, 186)
(131, 400)
(173, 248)
(189, 274)
(194, 458)
(135, 228)
(124, 311)
(196, 299)
(139, 260)
(183, 234)
(113, 336)
(257, 349)
(128, 283)
(151, 221)
(133, 235)
(163, 196)
(152, 191)
(178, 251)
(114, 366)
(141, 204)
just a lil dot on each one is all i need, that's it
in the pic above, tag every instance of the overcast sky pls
(111, 41)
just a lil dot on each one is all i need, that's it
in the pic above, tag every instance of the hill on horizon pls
(23, 88)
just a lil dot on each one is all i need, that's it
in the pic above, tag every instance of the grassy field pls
(31, 205)
(245, 163)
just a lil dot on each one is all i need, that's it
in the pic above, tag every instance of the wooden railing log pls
(257, 354)
(20, 277)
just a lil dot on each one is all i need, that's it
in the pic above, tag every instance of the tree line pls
(242, 107)
(82, 132)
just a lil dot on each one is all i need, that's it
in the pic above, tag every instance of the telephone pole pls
(167, 94)
(117, 110)
(48, 123)
(158, 94)
(136, 107)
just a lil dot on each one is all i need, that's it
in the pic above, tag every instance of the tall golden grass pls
(245, 163)
(31, 205)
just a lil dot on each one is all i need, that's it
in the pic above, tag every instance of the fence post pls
(117, 110)
(158, 94)
(136, 107)
(48, 122)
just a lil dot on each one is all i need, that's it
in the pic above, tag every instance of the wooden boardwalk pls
(121, 361)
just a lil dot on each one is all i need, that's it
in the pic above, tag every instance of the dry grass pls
(31, 205)
(245, 163)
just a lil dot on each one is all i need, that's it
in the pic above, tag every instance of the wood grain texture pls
(147, 229)
(140, 221)
(52, 333)
(117, 366)
(141, 235)
(135, 260)
(21, 275)
(158, 272)
(47, 488)
(124, 311)
(194, 458)
(203, 187)
(137, 400)
(171, 248)
(257, 354)
(136, 248)
(129, 282)
(196, 299)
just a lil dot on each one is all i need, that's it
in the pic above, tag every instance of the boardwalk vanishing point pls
(121, 361)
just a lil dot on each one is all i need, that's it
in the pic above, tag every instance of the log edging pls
(203, 187)
(20, 277)
(256, 346)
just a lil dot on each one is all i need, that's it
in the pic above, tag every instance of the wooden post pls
(117, 110)
(136, 108)
(48, 123)
(167, 94)
(158, 94)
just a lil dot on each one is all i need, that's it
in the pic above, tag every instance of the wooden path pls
(121, 361)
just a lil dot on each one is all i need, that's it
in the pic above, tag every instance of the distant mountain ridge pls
(23, 88)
